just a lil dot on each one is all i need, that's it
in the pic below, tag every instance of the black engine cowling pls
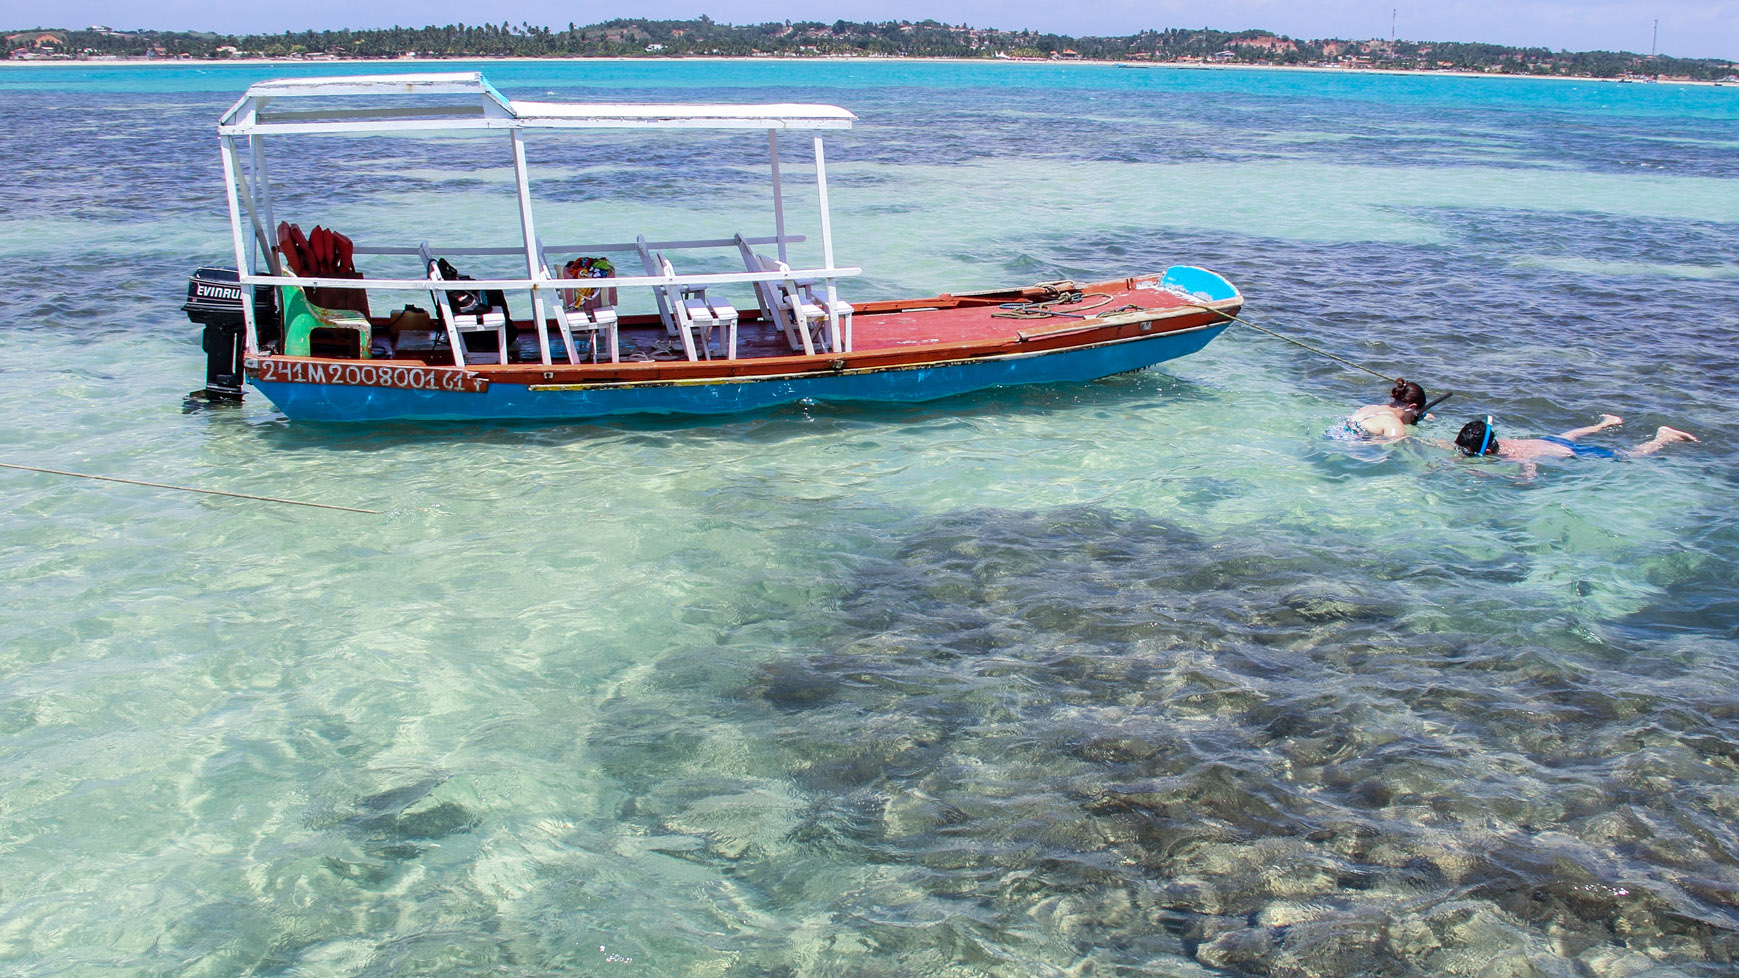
(214, 300)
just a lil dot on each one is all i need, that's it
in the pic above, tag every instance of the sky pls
(1688, 28)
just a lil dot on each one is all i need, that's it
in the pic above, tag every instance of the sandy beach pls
(1137, 65)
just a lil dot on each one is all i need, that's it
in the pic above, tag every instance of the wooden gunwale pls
(1111, 328)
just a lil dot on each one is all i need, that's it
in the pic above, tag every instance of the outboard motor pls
(214, 300)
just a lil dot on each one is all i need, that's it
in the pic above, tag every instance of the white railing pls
(541, 284)
(578, 249)
(527, 284)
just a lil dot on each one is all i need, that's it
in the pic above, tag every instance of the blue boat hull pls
(520, 402)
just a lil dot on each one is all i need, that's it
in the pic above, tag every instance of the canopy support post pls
(243, 264)
(263, 187)
(778, 195)
(827, 248)
(533, 266)
(245, 190)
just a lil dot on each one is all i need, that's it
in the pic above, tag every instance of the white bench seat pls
(460, 324)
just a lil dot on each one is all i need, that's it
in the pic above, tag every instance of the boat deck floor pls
(946, 319)
(981, 318)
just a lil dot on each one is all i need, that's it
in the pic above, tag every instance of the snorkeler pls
(1388, 422)
(1480, 438)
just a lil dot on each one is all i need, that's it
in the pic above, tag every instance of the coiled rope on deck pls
(1046, 308)
(209, 492)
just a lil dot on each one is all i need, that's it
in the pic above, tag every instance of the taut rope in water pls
(1046, 308)
(209, 492)
(1307, 346)
(1423, 412)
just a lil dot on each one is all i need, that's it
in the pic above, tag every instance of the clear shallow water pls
(1141, 676)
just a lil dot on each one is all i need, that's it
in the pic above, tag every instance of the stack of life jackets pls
(322, 254)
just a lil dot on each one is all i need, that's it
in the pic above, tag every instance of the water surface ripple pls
(1145, 676)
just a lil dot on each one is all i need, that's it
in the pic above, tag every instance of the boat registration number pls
(406, 377)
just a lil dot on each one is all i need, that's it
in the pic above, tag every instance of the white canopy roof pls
(466, 101)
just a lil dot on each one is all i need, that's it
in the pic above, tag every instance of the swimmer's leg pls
(1606, 421)
(1663, 436)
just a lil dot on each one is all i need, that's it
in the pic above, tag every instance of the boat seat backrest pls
(599, 318)
(674, 293)
(302, 317)
(796, 289)
(697, 317)
(799, 308)
(543, 267)
(665, 300)
(495, 322)
(432, 272)
(693, 345)
(440, 297)
(766, 293)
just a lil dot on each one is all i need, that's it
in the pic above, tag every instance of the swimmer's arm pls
(1606, 421)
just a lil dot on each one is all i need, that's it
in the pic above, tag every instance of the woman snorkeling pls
(1388, 422)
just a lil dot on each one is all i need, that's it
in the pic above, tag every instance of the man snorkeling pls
(1388, 422)
(1478, 438)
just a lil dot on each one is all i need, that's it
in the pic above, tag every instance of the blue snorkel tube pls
(1486, 441)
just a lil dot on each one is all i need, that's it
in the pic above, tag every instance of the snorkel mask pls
(1487, 435)
(1425, 411)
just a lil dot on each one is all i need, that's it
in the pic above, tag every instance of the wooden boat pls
(294, 323)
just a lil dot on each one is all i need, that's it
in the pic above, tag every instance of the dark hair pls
(1408, 396)
(1475, 435)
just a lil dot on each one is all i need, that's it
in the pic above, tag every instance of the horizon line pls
(6, 32)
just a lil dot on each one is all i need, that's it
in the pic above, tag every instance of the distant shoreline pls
(1132, 65)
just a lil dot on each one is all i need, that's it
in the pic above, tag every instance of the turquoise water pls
(1144, 676)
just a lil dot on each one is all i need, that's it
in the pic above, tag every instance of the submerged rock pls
(793, 686)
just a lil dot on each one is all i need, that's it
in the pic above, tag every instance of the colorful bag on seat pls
(588, 298)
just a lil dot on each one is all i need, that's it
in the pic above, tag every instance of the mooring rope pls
(1307, 346)
(209, 492)
(1046, 308)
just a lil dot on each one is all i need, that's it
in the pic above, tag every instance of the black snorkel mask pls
(1416, 416)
